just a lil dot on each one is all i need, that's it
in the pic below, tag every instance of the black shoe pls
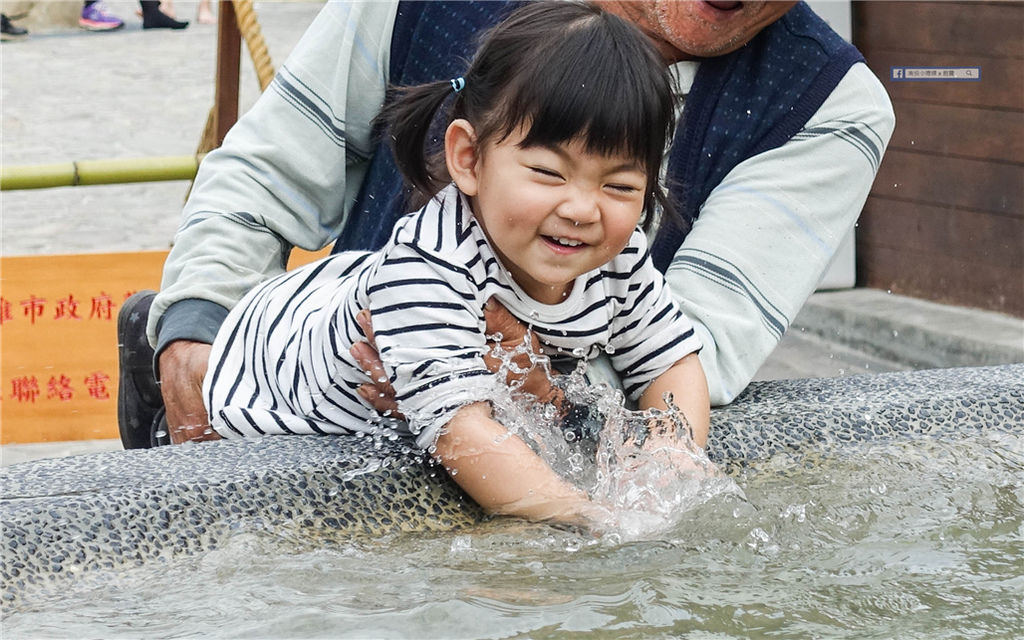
(140, 407)
(153, 18)
(10, 32)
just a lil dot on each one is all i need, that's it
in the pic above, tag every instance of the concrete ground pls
(72, 95)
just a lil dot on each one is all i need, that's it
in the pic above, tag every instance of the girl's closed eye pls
(547, 173)
(624, 188)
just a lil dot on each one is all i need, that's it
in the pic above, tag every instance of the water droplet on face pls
(579, 352)
(609, 349)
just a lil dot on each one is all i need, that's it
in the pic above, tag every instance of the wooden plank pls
(229, 60)
(971, 132)
(995, 30)
(956, 182)
(943, 279)
(969, 236)
(1001, 85)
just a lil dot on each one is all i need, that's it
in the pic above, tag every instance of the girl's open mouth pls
(563, 245)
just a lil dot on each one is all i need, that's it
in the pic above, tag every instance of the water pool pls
(909, 538)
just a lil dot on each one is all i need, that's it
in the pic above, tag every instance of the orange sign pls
(58, 341)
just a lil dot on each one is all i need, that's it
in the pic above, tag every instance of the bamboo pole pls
(94, 172)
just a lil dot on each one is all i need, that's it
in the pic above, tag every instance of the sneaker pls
(140, 406)
(95, 18)
(10, 32)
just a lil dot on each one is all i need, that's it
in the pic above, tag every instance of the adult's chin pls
(708, 28)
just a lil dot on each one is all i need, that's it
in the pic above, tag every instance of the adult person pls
(783, 127)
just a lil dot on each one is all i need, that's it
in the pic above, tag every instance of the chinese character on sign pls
(67, 308)
(102, 307)
(25, 389)
(6, 315)
(130, 293)
(33, 307)
(59, 388)
(96, 383)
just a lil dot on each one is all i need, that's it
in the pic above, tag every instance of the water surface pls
(914, 538)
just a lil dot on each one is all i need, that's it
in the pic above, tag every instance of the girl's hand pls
(504, 476)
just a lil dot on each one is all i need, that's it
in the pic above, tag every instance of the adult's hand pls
(513, 332)
(183, 366)
(498, 320)
(380, 394)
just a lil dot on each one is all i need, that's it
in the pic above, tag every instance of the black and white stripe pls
(281, 362)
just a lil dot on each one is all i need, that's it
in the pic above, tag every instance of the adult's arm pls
(283, 175)
(767, 233)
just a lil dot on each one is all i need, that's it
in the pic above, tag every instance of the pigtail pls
(407, 120)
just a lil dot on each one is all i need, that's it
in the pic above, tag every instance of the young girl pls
(552, 154)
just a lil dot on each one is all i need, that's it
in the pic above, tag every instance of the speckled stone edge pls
(64, 518)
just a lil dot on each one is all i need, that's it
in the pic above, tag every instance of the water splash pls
(644, 468)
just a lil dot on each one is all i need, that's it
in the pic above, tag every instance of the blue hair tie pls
(458, 84)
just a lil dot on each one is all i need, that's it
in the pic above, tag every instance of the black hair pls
(570, 71)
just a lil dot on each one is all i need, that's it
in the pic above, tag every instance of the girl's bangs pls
(593, 91)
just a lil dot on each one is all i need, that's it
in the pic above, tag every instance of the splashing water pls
(600, 447)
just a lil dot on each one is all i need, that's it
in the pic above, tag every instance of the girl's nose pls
(580, 207)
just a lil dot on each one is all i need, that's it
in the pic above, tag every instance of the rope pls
(250, 28)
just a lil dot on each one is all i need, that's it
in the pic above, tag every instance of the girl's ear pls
(460, 155)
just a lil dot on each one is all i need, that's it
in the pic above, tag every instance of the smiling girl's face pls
(551, 213)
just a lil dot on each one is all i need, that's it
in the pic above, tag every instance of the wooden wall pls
(945, 218)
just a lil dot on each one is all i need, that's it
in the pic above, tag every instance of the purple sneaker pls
(95, 18)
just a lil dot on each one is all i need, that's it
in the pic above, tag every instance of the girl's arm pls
(505, 476)
(686, 382)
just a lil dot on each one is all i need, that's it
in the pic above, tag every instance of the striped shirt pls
(281, 364)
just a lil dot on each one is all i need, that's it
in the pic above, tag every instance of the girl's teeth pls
(567, 243)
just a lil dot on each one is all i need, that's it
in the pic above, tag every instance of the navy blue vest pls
(741, 104)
